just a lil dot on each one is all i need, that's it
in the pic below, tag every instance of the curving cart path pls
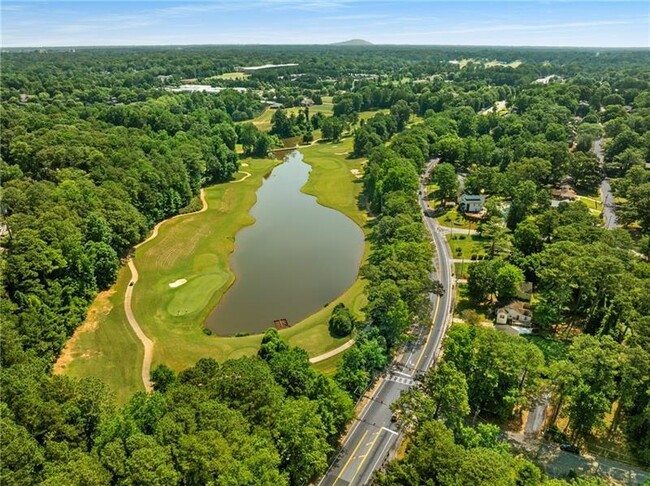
(133, 322)
(333, 352)
(128, 310)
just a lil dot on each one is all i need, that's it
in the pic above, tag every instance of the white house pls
(515, 313)
(471, 203)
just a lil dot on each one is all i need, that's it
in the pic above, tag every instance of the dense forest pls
(95, 150)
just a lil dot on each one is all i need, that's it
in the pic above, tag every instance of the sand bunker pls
(356, 173)
(244, 164)
(178, 283)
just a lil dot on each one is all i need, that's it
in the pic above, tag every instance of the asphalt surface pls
(606, 196)
(373, 434)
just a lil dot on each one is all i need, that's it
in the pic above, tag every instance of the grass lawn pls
(452, 218)
(462, 270)
(593, 203)
(328, 366)
(464, 303)
(105, 346)
(464, 245)
(197, 247)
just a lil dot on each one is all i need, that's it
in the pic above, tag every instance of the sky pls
(424, 22)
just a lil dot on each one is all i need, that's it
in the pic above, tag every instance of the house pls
(565, 193)
(275, 105)
(307, 102)
(515, 313)
(471, 203)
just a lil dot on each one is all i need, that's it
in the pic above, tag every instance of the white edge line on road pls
(381, 454)
(388, 430)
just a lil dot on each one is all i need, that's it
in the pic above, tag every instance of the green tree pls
(523, 199)
(444, 175)
(498, 234)
(301, 440)
(507, 282)
(341, 321)
(447, 388)
(162, 378)
(281, 124)
(481, 282)
(402, 112)
(527, 238)
(332, 128)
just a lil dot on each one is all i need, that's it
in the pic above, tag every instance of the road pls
(373, 434)
(606, 196)
(558, 463)
(536, 416)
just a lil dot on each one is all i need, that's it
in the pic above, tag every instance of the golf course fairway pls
(196, 248)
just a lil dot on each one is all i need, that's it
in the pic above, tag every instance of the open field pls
(234, 75)
(263, 121)
(105, 346)
(464, 246)
(196, 247)
(452, 218)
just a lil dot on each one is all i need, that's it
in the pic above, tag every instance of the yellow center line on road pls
(372, 444)
(350, 458)
(433, 323)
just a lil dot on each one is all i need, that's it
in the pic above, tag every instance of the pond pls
(297, 257)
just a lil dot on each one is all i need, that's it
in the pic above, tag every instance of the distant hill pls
(353, 42)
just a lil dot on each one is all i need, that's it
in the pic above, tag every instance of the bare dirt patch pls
(101, 307)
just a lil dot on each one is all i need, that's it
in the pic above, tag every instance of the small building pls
(471, 203)
(515, 313)
(565, 193)
(307, 102)
(24, 98)
(189, 81)
(275, 105)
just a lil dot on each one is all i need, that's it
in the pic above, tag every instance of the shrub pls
(341, 321)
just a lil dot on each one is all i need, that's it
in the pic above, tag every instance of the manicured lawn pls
(196, 247)
(464, 245)
(328, 366)
(452, 218)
